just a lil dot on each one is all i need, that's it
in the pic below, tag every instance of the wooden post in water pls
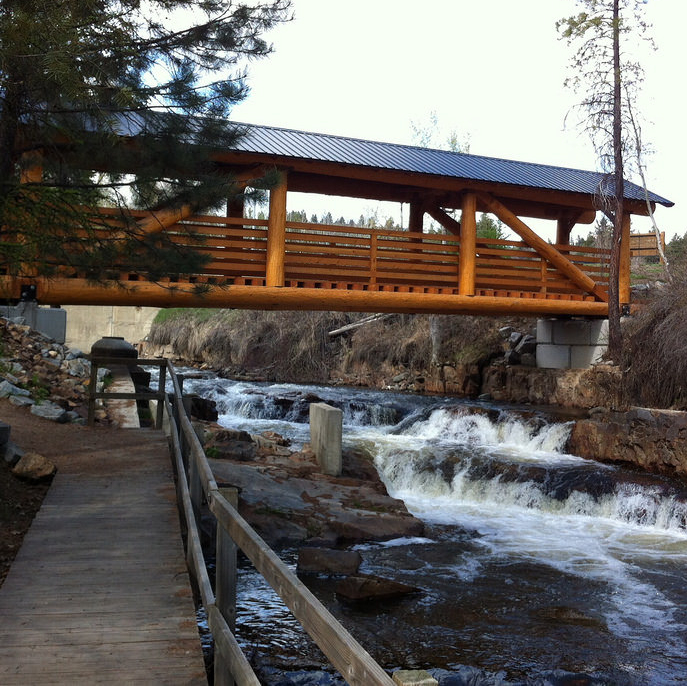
(225, 586)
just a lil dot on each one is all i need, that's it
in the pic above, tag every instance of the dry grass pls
(294, 346)
(283, 345)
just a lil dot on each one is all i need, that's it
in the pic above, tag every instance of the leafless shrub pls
(400, 340)
(285, 345)
(655, 351)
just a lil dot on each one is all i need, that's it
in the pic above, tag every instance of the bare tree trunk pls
(615, 337)
(637, 134)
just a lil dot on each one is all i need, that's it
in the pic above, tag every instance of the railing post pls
(195, 485)
(468, 246)
(373, 258)
(92, 391)
(544, 272)
(225, 587)
(162, 382)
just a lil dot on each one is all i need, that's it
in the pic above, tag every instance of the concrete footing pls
(326, 427)
(50, 321)
(571, 343)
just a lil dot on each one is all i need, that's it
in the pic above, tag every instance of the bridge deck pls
(99, 592)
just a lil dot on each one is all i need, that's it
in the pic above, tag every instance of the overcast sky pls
(492, 70)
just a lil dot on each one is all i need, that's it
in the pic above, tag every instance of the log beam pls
(163, 219)
(84, 292)
(468, 246)
(547, 251)
(276, 235)
(448, 222)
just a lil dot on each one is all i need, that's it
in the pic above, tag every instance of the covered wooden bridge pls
(278, 264)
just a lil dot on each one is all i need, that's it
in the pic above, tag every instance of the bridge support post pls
(276, 235)
(468, 246)
(571, 343)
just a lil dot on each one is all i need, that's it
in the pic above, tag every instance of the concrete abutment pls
(571, 343)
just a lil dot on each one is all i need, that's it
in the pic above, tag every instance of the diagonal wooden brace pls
(547, 251)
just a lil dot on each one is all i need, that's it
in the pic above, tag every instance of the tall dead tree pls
(608, 79)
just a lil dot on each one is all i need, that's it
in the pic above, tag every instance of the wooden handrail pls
(343, 651)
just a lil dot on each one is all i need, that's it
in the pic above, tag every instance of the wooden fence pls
(197, 487)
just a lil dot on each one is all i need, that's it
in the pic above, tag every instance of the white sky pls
(492, 70)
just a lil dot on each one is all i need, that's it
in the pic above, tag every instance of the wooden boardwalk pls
(99, 592)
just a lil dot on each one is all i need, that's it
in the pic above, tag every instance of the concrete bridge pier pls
(571, 343)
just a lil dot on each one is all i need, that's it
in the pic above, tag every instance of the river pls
(537, 567)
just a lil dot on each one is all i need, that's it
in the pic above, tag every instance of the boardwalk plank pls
(99, 592)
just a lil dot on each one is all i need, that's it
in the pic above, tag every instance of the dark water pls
(537, 567)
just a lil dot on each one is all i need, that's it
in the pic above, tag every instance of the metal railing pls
(129, 362)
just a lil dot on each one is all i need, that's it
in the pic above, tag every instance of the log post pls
(31, 172)
(564, 226)
(235, 203)
(417, 213)
(468, 246)
(225, 587)
(31, 167)
(624, 280)
(276, 235)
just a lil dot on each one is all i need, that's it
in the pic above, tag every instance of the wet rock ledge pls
(287, 499)
(655, 440)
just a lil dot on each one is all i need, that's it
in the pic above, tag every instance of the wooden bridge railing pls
(197, 487)
(370, 259)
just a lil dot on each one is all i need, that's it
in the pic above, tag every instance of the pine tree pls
(121, 103)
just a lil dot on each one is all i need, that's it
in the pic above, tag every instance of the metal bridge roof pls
(321, 147)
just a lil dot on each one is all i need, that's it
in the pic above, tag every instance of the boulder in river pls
(365, 587)
(328, 561)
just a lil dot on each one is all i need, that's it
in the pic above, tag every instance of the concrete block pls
(326, 427)
(583, 356)
(572, 332)
(52, 322)
(545, 330)
(553, 356)
(599, 332)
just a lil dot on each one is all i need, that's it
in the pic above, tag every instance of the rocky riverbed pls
(284, 495)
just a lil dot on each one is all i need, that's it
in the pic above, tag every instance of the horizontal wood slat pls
(354, 257)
